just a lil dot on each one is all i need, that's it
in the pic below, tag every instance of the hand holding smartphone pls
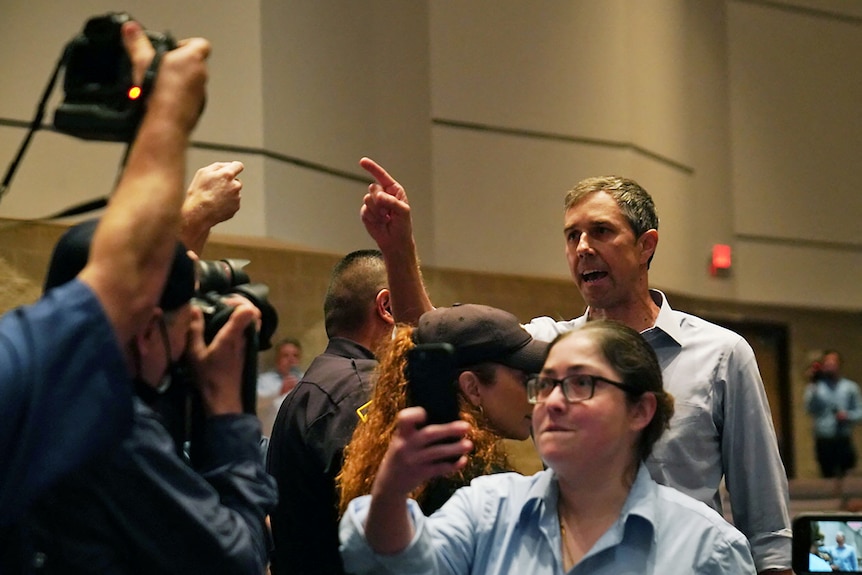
(431, 373)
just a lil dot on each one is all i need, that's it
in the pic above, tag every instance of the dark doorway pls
(771, 347)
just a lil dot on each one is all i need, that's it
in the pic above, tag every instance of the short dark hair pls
(635, 203)
(353, 287)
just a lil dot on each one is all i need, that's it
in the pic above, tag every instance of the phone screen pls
(431, 374)
(827, 543)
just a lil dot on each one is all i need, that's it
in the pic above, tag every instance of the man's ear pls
(468, 382)
(648, 242)
(383, 304)
(150, 334)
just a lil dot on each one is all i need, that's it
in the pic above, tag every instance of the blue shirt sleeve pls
(65, 392)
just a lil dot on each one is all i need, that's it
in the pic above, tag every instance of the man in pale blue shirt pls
(835, 403)
(273, 385)
(843, 556)
(723, 426)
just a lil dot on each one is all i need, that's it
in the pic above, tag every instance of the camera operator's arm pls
(213, 197)
(133, 245)
(83, 398)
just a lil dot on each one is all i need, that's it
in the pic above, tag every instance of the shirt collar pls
(638, 513)
(666, 323)
(640, 505)
(541, 497)
(642, 500)
(344, 347)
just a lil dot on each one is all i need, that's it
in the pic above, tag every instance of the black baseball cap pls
(481, 333)
(72, 251)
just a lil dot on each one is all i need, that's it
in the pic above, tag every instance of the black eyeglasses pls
(577, 387)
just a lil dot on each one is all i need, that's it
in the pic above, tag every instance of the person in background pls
(819, 560)
(116, 506)
(494, 357)
(317, 418)
(599, 408)
(723, 426)
(285, 374)
(843, 555)
(835, 403)
(273, 385)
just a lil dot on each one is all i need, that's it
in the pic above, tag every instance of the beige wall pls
(740, 117)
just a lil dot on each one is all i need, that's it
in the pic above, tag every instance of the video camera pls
(219, 280)
(181, 407)
(101, 101)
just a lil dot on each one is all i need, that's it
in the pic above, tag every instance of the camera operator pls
(138, 507)
(118, 505)
(58, 408)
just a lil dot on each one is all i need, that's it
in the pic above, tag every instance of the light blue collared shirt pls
(721, 426)
(844, 557)
(823, 400)
(506, 524)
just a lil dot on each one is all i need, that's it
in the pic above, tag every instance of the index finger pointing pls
(382, 176)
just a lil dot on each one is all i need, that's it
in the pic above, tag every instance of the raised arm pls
(134, 243)
(213, 197)
(64, 384)
(386, 215)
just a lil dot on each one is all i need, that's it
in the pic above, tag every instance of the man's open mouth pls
(593, 276)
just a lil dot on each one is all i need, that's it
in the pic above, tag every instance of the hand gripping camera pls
(101, 101)
(180, 406)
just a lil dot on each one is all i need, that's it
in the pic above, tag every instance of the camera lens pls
(221, 275)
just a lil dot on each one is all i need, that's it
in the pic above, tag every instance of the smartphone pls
(816, 548)
(431, 374)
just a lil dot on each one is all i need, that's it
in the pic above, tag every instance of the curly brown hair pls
(364, 453)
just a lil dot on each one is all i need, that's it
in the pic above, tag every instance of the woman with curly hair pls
(494, 357)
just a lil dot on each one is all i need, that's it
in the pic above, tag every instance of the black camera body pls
(217, 282)
(98, 103)
(180, 407)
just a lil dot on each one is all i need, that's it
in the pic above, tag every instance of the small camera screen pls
(834, 546)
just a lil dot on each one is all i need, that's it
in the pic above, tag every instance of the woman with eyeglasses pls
(598, 409)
